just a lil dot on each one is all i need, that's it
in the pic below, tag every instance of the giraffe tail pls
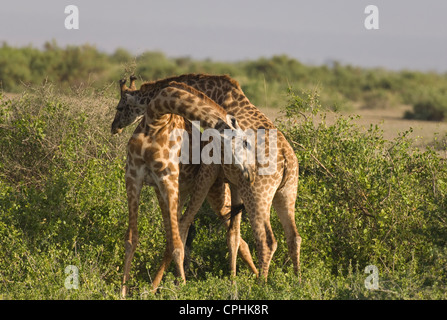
(290, 165)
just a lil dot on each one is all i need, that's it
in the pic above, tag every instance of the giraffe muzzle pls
(248, 174)
(116, 130)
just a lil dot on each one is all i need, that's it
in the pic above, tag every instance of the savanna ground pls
(371, 192)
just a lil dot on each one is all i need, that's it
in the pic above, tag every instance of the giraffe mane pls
(197, 93)
(150, 85)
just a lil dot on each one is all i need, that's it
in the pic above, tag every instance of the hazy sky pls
(412, 34)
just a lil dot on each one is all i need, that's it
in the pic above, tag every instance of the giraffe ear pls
(123, 86)
(130, 99)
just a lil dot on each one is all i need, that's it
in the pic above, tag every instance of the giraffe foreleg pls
(284, 204)
(168, 198)
(134, 184)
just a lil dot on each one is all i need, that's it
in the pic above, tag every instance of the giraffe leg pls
(268, 246)
(186, 245)
(223, 200)
(220, 199)
(234, 230)
(284, 204)
(204, 179)
(172, 250)
(134, 184)
(259, 214)
(168, 198)
(167, 258)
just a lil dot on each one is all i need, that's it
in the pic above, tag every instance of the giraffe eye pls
(233, 122)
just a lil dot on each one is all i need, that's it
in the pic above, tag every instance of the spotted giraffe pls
(219, 196)
(279, 188)
(149, 157)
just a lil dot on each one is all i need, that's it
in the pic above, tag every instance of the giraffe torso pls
(227, 93)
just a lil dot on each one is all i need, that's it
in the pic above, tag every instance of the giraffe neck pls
(223, 90)
(191, 104)
(215, 87)
(184, 101)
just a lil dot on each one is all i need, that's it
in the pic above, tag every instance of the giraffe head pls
(242, 146)
(128, 110)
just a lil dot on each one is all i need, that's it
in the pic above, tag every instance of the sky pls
(412, 34)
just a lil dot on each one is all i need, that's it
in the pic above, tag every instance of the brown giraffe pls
(278, 188)
(219, 194)
(149, 159)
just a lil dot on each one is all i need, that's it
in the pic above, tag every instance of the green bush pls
(60, 177)
(427, 110)
(264, 80)
(361, 200)
(364, 200)
(378, 99)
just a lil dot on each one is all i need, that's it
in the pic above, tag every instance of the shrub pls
(364, 200)
(361, 200)
(427, 110)
(264, 80)
(429, 104)
(60, 185)
(378, 99)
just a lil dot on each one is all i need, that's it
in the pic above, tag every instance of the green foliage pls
(60, 193)
(361, 200)
(430, 105)
(364, 200)
(264, 80)
(71, 66)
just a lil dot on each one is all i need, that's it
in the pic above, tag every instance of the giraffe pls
(218, 196)
(279, 189)
(148, 157)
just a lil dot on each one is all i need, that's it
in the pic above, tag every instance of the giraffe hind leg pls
(284, 204)
(259, 214)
